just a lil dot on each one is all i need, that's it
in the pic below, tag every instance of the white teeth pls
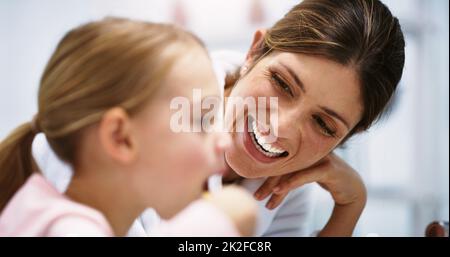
(262, 146)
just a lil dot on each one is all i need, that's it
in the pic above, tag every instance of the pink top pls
(38, 209)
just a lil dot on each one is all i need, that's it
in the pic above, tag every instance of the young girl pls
(104, 108)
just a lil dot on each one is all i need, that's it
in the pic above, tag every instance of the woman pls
(334, 66)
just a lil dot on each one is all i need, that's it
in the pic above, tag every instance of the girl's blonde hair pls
(97, 66)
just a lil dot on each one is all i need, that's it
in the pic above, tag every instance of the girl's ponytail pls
(16, 161)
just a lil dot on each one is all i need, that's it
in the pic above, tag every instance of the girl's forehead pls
(191, 71)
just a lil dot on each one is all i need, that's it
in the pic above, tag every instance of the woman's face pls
(319, 103)
(177, 164)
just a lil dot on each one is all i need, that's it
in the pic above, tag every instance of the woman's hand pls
(334, 175)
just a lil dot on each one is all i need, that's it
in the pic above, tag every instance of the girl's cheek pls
(195, 156)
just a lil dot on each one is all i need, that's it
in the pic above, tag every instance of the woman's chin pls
(246, 174)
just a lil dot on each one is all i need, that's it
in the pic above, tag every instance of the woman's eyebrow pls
(336, 115)
(294, 75)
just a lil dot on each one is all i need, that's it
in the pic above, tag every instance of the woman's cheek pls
(261, 88)
(315, 145)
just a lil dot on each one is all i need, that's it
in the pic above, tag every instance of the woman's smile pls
(256, 145)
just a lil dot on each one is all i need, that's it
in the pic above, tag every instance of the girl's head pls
(104, 108)
(334, 66)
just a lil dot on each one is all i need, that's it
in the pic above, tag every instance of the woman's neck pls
(105, 194)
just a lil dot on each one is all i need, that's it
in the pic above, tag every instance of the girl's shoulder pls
(38, 209)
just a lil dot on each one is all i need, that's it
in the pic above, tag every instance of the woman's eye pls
(281, 84)
(323, 127)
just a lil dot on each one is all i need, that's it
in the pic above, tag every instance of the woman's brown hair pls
(109, 63)
(362, 34)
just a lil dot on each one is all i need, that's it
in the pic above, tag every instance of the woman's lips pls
(251, 150)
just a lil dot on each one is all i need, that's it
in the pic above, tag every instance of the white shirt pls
(289, 219)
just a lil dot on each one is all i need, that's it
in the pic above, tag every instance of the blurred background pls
(404, 160)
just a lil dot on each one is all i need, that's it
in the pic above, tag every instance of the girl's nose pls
(223, 142)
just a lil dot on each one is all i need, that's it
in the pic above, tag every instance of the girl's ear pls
(258, 39)
(116, 137)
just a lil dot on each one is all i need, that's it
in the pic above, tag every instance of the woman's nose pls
(290, 124)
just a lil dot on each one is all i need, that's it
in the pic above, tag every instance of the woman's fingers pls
(276, 199)
(280, 186)
(266, 188)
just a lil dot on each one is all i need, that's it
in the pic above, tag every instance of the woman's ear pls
(258, 40)
(116, 137)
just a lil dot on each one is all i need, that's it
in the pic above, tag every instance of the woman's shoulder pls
(38, 209)
(226, 62)
(231, 57)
